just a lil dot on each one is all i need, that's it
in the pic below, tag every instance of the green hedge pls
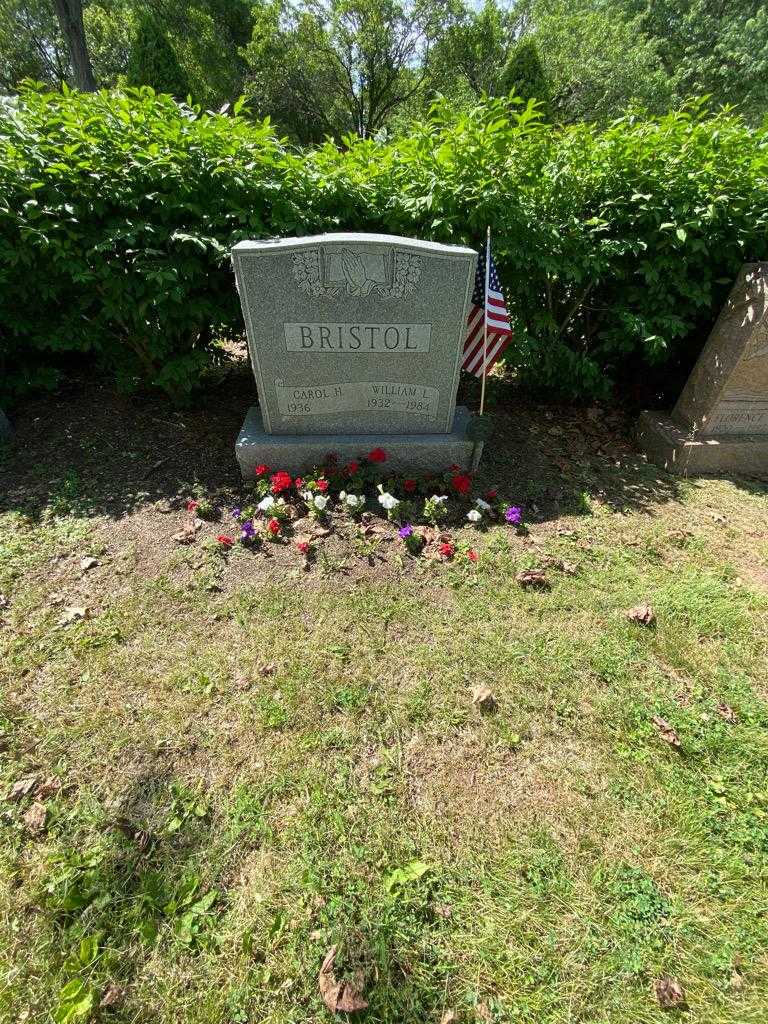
(117, 213)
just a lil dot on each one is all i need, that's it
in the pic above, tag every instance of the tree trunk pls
(70, 15)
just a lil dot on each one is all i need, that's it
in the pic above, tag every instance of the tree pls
(70, 15)
(472, 53)
(342, 67)
(153, 60)
(717, 48)
(524, 74)
(597, 60)
(31, 44)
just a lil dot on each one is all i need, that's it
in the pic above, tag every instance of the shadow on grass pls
(90, 451)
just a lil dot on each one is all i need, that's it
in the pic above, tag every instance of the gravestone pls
(356, 343)
(720, 422)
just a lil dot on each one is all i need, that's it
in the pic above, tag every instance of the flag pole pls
(485, 313)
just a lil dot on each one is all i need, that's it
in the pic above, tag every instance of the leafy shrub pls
(118, 211)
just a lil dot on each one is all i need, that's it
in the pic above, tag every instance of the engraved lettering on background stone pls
(356, 396)
(365, 338)
(356, 272)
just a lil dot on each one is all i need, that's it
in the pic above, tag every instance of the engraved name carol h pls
(332, 337)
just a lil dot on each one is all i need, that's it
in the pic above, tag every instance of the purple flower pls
(236, 513)
(247, 530)
(514, 514)
(405, 531)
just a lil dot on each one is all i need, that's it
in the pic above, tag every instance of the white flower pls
(482, 505)
(388, 501)
(343, 496)
(306, 495)
(474, 516)
(438, 499)
(353, 500)
(266, 503)
(320, 501)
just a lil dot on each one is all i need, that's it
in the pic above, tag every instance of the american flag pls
(499, 331)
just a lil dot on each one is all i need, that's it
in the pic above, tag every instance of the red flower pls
(351, 468)
(377, 455)
(491, 495)
(261, 470)
(446, 550)
(274, 527)
(322, 485)
(225, 541)
(409, 486)
(281, 481)
(454, 468)
(462, 483)
(303, 546)
(472, 555)
(299, 481)
(192, 505)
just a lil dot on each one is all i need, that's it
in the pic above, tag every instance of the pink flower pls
(192, 505)
(261, 470)
(446, 550)
(472, 555)
(303, 546)
(322, 485)
(274, 527)
(225, 541)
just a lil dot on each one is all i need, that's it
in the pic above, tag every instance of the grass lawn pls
(258, 763)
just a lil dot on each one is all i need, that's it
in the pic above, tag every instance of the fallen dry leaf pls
(4, 602)
(569, 568)
(74, 614)
(111, 996)
(187, 534)
(268, 670)
(139, 836)
(666, 731)
(737, 981)
(533, 578)
(643, 614)
(727, 713)
(338, 996)
(483, 698)
(89, 562)
(35, 817)
(48, 787)
(444, 910)
(22, 787)
(320, 531)
(669, 993)
(449, 1017)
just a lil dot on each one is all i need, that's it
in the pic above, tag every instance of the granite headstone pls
(720, 422)
(355, 342)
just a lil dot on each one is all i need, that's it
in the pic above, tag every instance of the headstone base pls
(420, 453)
(673, 448)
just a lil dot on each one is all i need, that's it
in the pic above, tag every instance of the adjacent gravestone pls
(720, 422)
(356, 343)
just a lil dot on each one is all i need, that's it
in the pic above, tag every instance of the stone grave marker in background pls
(720, 422)
(355, 342)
